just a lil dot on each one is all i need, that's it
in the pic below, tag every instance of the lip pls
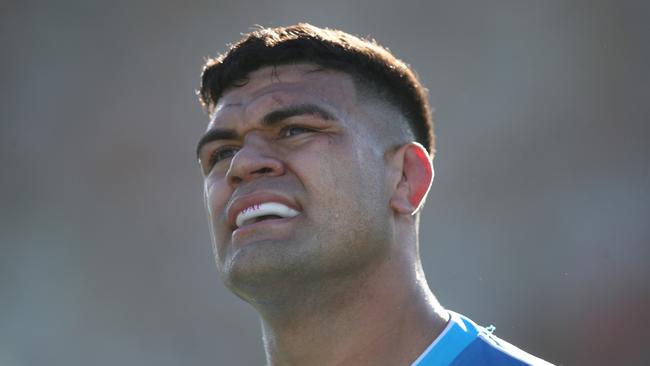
(242, 202)
(240, 233)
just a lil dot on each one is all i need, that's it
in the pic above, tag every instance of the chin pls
(273, 271)
(260, 263)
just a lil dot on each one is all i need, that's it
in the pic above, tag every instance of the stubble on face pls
(336, 175)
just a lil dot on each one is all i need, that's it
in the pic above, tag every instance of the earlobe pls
(416, 178)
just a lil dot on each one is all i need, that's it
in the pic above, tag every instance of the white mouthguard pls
(249, 214)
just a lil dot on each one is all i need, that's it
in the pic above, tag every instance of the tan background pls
(538, 221)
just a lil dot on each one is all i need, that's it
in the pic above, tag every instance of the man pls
(316, 161)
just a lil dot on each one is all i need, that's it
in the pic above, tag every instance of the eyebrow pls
(296, 110)
(269, 119)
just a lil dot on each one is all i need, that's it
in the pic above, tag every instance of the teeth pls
(264, 209)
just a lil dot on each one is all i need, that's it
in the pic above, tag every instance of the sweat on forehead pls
(290, 86)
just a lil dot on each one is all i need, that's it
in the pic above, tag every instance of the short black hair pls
(364, 59)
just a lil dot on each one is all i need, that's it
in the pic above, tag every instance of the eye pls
(221, 154)
(294, 130)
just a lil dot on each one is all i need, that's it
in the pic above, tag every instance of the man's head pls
(311, 172)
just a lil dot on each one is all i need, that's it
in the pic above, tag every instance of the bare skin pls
(340, 283)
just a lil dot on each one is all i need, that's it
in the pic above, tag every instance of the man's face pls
(294, 180)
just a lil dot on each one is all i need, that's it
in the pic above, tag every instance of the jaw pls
(285, 280)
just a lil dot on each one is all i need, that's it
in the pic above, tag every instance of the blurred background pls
(538, 221)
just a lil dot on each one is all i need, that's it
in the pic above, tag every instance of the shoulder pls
(464, 343)
(487, 349)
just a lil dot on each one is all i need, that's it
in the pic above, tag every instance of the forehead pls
(276, 86)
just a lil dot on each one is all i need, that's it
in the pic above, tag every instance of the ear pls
(412, 164)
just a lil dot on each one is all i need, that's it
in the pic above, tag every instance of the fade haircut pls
(373, 68)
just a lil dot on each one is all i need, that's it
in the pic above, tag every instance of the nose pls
(255, 159)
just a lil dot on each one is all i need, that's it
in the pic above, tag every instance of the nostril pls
(264, 170)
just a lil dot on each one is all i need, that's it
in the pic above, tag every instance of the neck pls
(386, 315)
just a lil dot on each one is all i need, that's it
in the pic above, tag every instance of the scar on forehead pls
(278, 99)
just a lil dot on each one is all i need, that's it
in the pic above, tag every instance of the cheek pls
(216, 195)
(337, 174)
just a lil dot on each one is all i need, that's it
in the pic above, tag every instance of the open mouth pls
(262, 218)
(264, 211)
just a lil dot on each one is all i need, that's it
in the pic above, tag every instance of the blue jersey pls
(463, 343)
